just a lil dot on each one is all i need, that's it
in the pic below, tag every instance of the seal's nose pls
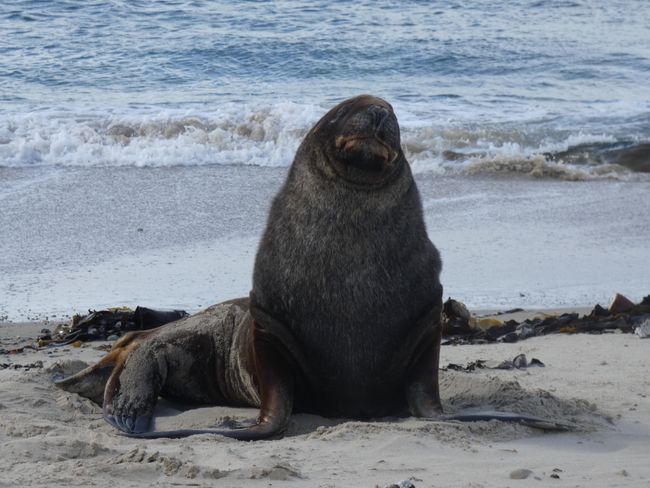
(384, 124)
(378, 114)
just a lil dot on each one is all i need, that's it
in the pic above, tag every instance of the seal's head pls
(360, 141)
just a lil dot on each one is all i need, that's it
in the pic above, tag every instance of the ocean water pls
(479, 87)
(139, 138)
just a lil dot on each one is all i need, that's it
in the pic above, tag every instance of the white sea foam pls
(265, 136)
(269, 134)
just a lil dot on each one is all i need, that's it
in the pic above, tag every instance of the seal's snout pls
(369, 137)
(376, 120)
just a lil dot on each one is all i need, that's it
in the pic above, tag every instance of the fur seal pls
(344, 316)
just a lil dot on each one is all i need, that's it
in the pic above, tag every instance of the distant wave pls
(269, 136)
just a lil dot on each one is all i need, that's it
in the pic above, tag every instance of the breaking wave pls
(266, 137)
(269, 135)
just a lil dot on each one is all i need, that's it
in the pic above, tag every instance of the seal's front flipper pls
(527, 420)
(135, 423)
(422, 389)
(132, 390)
(275, 380)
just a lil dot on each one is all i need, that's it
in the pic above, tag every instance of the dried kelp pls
(107, 324)
(461, 327)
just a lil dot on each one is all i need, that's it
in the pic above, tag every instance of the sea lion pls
(344, 313)
(346, 276)
(200, 359)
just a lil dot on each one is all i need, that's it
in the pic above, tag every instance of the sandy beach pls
(141, 146)
(599, 383)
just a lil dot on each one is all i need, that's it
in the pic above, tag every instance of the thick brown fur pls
(345, 309)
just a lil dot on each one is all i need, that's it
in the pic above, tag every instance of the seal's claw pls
(129, 423)
(118, 422)
(121, 422)
(128, 417)
(111, 420)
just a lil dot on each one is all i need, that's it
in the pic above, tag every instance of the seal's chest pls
(345, 274)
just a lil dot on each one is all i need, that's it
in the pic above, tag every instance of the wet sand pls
(79, 238)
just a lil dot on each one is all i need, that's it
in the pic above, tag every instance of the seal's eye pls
(337, 116)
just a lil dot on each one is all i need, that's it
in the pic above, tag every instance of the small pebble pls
(520, 474)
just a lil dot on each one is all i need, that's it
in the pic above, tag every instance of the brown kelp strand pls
(461, 327)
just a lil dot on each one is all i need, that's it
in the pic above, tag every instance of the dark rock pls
(599, 311)
(620, 304)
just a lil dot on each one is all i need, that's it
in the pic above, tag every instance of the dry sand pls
(599, 382)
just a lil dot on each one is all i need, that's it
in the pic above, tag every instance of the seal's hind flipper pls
(527, 420)
(263, 430)
(247, 430)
